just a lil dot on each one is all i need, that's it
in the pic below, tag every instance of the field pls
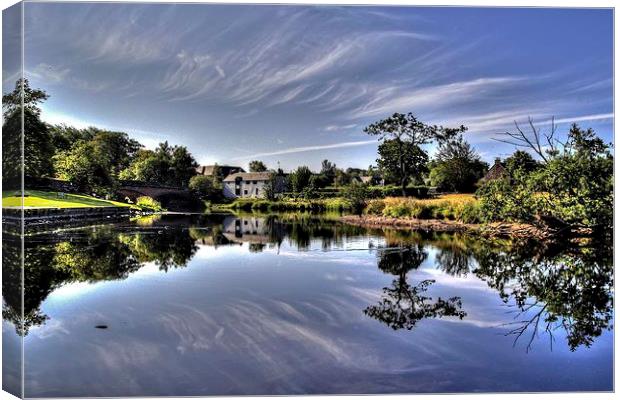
(42, 199)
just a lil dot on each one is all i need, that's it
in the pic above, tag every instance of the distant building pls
(251, 184)
(497, 171)
(372, 180)
(225, 170)
(252, 230)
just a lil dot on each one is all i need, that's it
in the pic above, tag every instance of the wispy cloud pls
(335, 128)
(303, 149)
(595, 117)
(223, 75)
(402, 98)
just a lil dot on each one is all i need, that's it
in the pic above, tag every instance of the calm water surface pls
(215, 305)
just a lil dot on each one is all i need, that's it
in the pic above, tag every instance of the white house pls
(250, 184)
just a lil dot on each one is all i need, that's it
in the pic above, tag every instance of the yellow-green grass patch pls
(43, 199)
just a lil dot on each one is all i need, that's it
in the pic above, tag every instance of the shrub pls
(147, 203)
(356, 194)
(454, 207)
(375, 207)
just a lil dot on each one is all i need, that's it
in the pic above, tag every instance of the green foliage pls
(376, 192)
(375, 207)
(402, 161)
(87, 166)
(257, 166)
(203, 188)
(356, 194)
(147, 203)
(328, 172)
(168, 165)
(400, 155)
(457, 167)
(314, 205)
(300, 179)
(341, 178)
(271, 187)
(506, 200)
(111, 151)
(92, 158)
(572, 188)
(463, 210)
(38, 147)
(23, 96)
(521, 161)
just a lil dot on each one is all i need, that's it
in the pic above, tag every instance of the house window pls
(254, 182)
(245, 191)
(256, 191)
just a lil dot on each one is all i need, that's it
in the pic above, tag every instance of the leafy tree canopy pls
(257, 166)
(404, 134)
(457, 167)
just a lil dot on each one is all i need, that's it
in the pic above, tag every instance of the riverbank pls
(55, 200)
(500, 229)
(42, 219)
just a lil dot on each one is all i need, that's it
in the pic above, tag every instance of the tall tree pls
(169, 165)
(87, 166)
(182, 165)
(257, 166)
(38, 147)
(521, 161)
(401, 162)
(300, 178)
(457, 167)
(408, 134)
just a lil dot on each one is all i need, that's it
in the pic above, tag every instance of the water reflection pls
(403, 304)
(548, 289)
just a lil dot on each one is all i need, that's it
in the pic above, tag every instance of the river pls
(301, 304)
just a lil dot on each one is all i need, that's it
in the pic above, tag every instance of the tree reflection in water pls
(101, 254)
(403, 305)
(551, 289)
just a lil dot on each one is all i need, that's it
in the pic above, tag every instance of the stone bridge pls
(171, 197)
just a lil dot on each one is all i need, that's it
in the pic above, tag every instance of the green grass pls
(315, 205)
(459, 207)
(41, 199)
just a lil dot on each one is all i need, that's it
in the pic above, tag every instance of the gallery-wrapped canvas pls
(235, 199)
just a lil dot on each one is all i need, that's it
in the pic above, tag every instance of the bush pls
(375, 207)
(356, 194)
(461, 208)
(502, 201)
(290, 204)
(147, 203)
(202, 186)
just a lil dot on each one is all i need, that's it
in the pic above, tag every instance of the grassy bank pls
(456, 207)
(315, 205)
(42, 199)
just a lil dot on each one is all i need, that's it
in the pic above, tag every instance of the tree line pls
(568, 185)
(94, 160)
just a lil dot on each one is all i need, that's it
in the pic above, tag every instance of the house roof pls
(497, 171)
(249, 176)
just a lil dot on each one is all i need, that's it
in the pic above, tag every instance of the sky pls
(297, 84)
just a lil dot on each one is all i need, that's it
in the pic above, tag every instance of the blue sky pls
(297, 84)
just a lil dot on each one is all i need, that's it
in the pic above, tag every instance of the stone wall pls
(36, 219)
